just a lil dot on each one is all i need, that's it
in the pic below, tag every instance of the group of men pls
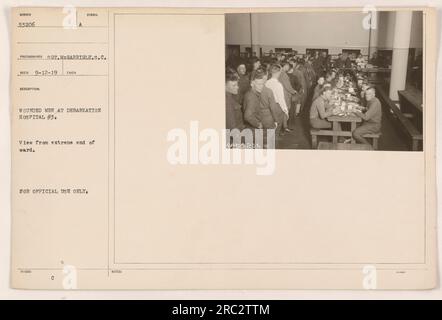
(286, 83)
(272, 93)
(321, 109)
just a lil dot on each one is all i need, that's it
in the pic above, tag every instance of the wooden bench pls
(411, 107)
(374, 137)
(330, 133)
(407, 127)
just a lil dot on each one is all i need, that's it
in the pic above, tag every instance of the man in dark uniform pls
(374, 60)
(290, 94)
(325, 62)
(318, 89)
(252, 109)
(243, 82)
(300, 79)
(261, 110)
(234, 117)
(339, 62)
(320, 110)
(255, 64)
(316, 62)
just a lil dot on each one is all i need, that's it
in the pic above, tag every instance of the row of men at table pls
(318, 62)
(267, 99)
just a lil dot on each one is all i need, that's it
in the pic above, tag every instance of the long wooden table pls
(338, 132)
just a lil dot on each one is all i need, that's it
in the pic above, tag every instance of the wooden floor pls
(392, 138)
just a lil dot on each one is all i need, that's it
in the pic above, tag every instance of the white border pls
(7, 293)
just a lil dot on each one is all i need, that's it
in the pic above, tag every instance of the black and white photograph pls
(325, 80)
(130, 173)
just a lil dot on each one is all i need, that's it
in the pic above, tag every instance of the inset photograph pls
(325, 80)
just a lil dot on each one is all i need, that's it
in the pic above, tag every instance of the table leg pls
(335, 131)
(353, 127)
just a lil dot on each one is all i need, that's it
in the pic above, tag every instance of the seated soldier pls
(340, 81)
(318, 88)
(330, 78)
(372, 118)
(320, 110)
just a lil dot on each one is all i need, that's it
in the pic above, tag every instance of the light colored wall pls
(238, 29)
(334, 31)
(302, 30)
(323, 30)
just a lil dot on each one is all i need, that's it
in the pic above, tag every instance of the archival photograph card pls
(223, 148)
